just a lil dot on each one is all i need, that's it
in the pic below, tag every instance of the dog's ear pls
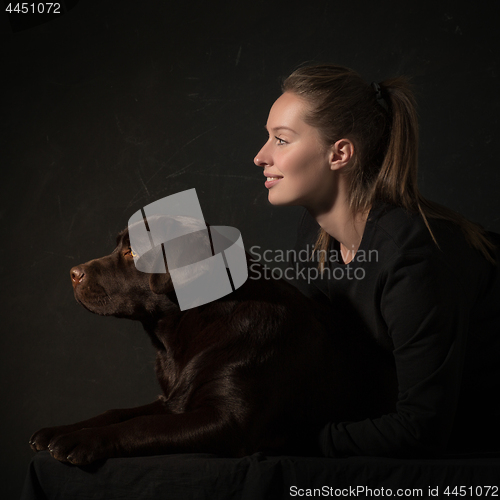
(161, 283)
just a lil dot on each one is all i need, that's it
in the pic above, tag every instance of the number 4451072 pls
(34, 8)
(471, 491)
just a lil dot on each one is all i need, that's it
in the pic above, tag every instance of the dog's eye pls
(130, 252)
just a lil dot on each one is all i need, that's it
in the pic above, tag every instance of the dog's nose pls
(77, 275)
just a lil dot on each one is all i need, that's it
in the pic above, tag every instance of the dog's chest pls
(183, 364)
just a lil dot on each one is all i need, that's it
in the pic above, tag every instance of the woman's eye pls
(281, 142)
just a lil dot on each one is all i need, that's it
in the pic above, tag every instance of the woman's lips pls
(271, 181)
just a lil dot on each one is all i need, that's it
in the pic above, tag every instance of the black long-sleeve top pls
(438, 311)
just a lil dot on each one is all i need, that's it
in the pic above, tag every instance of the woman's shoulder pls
(403, 234)
(400, 228)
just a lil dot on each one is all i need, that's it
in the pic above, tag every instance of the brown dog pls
(256, 370)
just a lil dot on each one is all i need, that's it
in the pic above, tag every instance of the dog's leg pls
(41, 439)
(202, 431)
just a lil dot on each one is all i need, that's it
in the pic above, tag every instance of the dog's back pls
(278, 364)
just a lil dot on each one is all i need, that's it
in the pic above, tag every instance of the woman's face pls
(295, 161)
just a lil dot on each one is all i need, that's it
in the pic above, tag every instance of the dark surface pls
(118, 103)
(203, 476)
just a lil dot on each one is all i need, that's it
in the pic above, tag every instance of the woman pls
(423, 280)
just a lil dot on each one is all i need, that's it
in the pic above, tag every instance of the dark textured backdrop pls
(121, 102)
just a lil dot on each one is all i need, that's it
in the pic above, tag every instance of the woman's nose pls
(261, 159)
(258, 161)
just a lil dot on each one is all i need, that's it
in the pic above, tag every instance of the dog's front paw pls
(40, 440)
(81, 447)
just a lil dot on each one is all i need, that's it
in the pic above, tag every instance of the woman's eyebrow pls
(281, 127)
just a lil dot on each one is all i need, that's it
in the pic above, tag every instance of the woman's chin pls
(280, 200)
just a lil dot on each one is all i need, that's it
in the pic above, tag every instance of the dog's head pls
(113, 286)
(135, 279)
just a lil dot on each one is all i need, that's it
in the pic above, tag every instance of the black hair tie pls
(378, 95)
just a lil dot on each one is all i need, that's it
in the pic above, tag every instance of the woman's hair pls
(382, 123)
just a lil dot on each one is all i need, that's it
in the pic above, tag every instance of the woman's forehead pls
(287, 113)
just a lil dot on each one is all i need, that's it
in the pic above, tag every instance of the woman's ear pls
(161, 283)
(341, 153)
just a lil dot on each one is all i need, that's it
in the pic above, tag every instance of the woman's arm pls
(426, 309)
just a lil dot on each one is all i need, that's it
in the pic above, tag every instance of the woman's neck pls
(339, 222)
